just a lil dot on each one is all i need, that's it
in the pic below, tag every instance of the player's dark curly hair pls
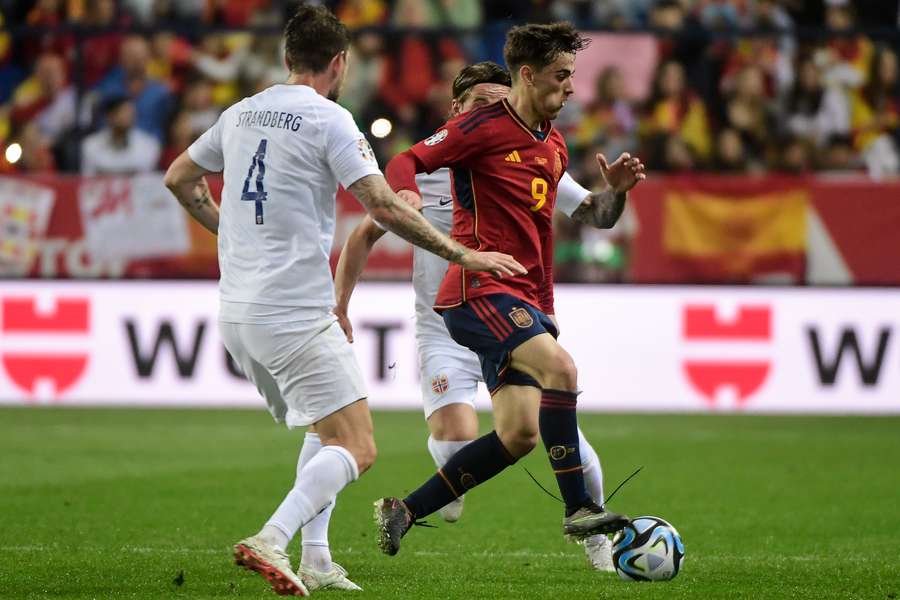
(482, 72)
(312, 37)
(539, 45)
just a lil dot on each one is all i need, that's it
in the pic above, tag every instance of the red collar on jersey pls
(546, 126)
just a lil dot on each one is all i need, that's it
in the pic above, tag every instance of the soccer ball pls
(648, 549)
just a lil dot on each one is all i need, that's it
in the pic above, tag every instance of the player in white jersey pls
(449, 372)
(283, 153)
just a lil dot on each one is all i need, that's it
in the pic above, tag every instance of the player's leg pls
(350, 428)
(315, 555)
(472, 465)
(597, 547)
(592, 470)
(327, 391)
(260, 552)
(542, 358)
(448, 395)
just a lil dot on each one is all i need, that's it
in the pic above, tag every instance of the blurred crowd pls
(736, 86)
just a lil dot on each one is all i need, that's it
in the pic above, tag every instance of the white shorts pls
(306, 370)
(449, 375)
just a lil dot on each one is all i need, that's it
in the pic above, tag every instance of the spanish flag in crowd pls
(721, 230)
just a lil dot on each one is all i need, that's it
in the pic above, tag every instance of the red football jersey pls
(504, 180)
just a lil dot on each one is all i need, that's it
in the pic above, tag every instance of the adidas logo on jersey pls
(513, 157)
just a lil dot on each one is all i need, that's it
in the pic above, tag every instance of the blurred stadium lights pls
(13, 153)
(381, 128)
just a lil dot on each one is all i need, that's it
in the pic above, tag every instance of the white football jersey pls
(283, 151)
(429, 269)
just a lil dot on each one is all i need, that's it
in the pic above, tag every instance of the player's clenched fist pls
(496, 263)
(624, 173)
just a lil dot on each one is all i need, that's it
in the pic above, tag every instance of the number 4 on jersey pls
(259, 195)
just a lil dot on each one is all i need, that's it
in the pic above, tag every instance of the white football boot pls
(453, 511)
(335, 579)
(254, 554)
(598, 549)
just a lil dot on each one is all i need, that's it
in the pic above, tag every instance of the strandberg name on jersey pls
(269, 118)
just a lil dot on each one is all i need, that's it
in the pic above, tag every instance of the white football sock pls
(311, 445)
(316, 553)
(441, 451)
(320, 480)
(593, 473)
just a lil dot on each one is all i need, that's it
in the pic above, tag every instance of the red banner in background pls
(132, 227)
(693, 229)
(717, 229)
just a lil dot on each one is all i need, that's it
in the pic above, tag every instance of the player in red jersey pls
(506, 161)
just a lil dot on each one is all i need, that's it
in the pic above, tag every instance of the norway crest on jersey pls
(365, 148)
(437, 138)
(521, 317)
(440, 384)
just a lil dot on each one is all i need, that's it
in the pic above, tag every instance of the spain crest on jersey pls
(440, 384)
(521, 317)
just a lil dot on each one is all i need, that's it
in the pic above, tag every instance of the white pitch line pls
(438, 553)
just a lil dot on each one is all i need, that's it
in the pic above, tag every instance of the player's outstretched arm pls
(350, 266)
(397, 216)
(602, 209)
(185, 179)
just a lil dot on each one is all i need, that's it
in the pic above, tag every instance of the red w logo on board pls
(751, 323)
(24, 321)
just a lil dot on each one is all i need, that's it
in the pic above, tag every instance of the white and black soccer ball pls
(648, 549)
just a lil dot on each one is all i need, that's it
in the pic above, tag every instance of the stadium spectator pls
(197, 102)
(100, 52)
(47, 98)
(796, 156)
(845, 58)
(813, 111)
(236, 59)
(120, 148)
(170, 57)
(361, 85)
(675, 109)
(221, 58)
(36, 157)
(731, 155)
(181, 135)
(609, 124)
(875, 116)
(152, 99)
(749, 112)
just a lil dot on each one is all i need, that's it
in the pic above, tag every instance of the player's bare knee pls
(520, 441)
(561, 373)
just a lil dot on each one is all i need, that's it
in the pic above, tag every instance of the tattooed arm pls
(397, 216)
(186, 180)
(602, 209)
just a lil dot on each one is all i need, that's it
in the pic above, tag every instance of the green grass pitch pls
(124, 503)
